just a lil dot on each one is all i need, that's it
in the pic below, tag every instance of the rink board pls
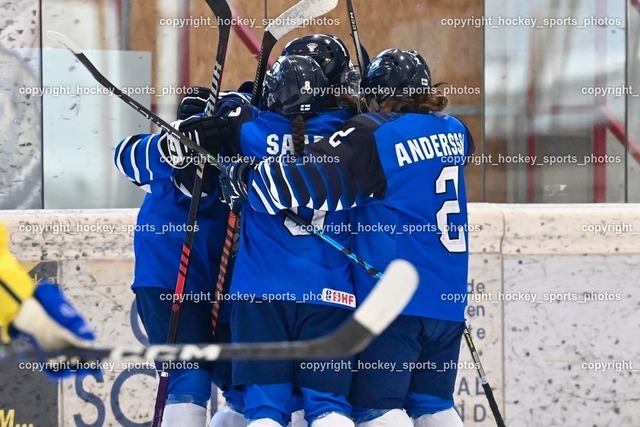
(571, 361)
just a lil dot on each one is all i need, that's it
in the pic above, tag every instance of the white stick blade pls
(389, 297)
(298, 15)
(64, 41)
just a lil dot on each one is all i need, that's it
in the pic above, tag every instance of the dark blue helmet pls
(332, 55)
(295, 85)
(405, 71)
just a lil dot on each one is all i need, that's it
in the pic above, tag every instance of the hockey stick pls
(483, 379)
(356, 37)
(293, 18)
(372, 271)
(77, 52)
(378, 275)
(385, 302)
(221, 10)
(100, 78)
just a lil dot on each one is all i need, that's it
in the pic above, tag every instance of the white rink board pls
(539, 356)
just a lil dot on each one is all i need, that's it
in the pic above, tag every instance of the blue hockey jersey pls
(277, 259)
(162, 221)
(404, 174)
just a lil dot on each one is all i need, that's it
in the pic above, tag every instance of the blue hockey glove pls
(194, 103)
(232, 185)
(50, 323)
(208, 132)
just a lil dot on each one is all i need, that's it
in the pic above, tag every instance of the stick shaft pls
(221, 10)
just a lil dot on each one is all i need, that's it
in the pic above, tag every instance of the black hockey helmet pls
(295, 85)
(332, 55)
(404, 71)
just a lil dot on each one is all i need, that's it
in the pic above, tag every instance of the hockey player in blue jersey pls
(165, 169)
(400, 167)
(295, 288)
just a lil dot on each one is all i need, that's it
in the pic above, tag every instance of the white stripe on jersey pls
(123, 145)
(181, 187)
(273, 190)
(148, 160)
(263, 199)
(294, 199)
(132, 157)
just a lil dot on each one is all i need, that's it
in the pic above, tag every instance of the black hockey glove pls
(194, 103)
(208, 132)
(233, 187)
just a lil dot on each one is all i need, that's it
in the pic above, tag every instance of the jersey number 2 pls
(459, 244)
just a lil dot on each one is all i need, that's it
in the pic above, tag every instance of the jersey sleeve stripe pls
(119, 153)
(181, 187)
(293, 199)
(273, 190)
(148, 162)
(136, 171)
(262, 198)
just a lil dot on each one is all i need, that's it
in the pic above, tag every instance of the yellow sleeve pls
(15, 285)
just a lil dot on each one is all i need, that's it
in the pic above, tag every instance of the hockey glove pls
(194, 103)
(51, 323)
(208, 132)
(233, 186)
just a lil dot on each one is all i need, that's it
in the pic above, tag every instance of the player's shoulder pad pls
(377, 119)
(358, 129)
(470, 143)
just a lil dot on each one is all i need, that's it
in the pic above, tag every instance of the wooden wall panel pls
(455, 55)
(143, 30)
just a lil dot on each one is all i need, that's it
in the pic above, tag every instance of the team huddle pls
(308, 152)
(400, 163)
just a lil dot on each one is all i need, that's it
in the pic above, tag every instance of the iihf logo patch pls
(312, 47)
(338, 297)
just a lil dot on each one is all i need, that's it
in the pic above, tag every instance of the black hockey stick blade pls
(295, 17)
(385, 302)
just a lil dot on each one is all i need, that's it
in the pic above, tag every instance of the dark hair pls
(433, 101)
(299, 128)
